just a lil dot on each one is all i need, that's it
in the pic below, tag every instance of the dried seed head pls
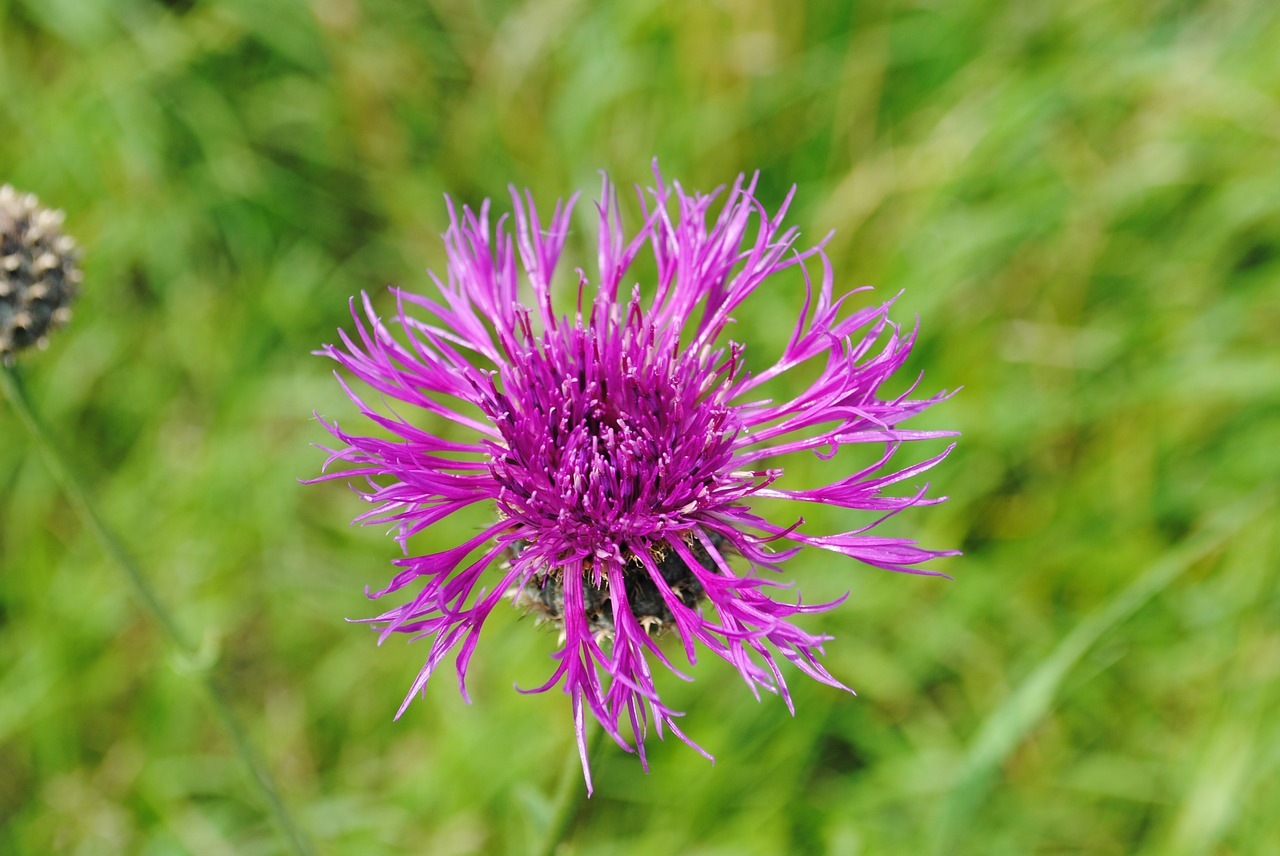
(39, 274)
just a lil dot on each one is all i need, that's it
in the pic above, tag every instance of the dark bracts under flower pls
(623, 444)
(543, 596)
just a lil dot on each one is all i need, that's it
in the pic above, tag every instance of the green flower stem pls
(112, 546)
(570, 796)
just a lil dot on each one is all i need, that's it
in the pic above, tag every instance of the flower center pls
(608, 440)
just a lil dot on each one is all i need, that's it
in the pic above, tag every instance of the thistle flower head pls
(623, 441)
(38, 272)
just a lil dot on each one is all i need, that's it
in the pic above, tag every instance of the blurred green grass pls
(1078, 199)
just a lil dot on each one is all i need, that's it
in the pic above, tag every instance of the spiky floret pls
(39, 272)
(623, 444)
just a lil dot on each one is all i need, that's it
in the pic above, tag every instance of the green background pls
(1080, 200)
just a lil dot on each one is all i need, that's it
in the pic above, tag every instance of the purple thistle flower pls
(622, 444)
